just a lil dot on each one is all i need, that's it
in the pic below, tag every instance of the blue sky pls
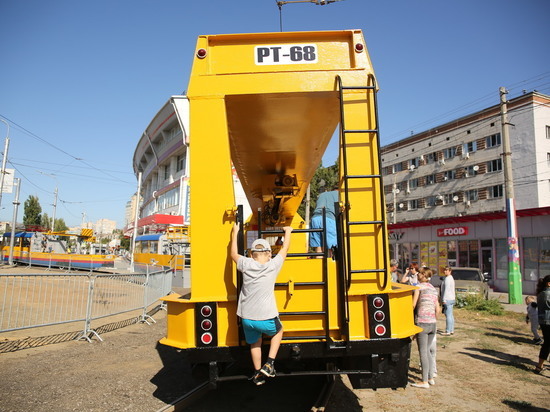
(80, 80)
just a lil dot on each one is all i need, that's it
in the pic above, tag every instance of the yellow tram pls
(268, 104)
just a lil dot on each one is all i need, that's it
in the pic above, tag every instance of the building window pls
(450, 198)
(471, 171)
(431, 201)
(430, 179)
(431, 157)
(449, 175)
(413, 204)
(548, 132)
(166, 172)
(492, 141)
(397, 167)
(180, 163)
(414, 162)
(413, 183)
(495, 192)
(449, 153)
(494, 165)
(469, 147)
(471, 195)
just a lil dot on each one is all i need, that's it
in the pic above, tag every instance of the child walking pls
(257, 307)
(533, 317)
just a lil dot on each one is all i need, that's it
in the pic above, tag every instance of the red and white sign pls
(453, 231)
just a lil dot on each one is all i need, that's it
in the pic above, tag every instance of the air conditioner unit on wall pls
(466, 155)
(441, 161)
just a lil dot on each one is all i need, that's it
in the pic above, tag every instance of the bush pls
(478, 303)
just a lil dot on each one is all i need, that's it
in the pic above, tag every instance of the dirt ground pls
(486, 365)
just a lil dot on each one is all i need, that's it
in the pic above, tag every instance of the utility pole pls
(136, 217)
(4, 159)
(17, 183)
(514, 273)
(54, 207)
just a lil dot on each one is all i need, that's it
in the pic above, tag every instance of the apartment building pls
(445, 192)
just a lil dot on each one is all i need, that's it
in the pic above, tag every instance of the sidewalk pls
(502, 297)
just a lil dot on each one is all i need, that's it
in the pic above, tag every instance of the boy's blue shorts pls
(315, 237)
(253, 329)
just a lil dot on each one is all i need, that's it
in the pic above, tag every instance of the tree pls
(33, 209)
(60, 225)
(325, 178)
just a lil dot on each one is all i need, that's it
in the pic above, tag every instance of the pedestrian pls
(533, 317)
(326, 200)
(257, 307)
(394, 270)
(448, 298)
(410, 277)
(426, 307)
(543, 307)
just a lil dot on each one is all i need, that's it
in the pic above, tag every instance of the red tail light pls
(206, 324)
(378, 313)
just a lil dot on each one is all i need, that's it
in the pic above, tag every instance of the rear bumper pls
(380, 363)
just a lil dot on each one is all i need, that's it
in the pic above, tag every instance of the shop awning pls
(148, 237)
(19, 234)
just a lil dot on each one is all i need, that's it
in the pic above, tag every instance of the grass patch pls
(478, 303)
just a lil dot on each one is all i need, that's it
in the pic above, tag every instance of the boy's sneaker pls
(268, 370)
(258, 379)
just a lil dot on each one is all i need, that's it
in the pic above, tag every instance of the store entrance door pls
(487, 263)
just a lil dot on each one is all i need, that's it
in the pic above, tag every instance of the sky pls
(81, 80)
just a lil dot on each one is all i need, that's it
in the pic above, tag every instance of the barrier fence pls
(45, 299)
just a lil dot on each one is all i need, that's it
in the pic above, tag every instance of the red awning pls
(482, 217)
(159, 219)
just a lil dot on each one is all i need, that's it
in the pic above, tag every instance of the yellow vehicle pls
(269, 103)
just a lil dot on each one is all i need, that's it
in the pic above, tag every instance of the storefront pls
(477, 241)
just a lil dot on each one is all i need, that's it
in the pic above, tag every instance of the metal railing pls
(45, 299)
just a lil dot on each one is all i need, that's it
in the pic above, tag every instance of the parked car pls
(467, 281)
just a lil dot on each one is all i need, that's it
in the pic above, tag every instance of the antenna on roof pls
(280, 4)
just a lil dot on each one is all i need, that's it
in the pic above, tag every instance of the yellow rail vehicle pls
(269, 103)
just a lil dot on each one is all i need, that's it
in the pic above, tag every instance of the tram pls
(269, 103)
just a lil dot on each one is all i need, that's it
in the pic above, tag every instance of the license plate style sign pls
(285, 54)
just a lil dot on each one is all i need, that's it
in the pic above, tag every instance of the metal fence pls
(36, 300)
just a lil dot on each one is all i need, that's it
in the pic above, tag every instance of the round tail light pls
(206, 338)
(378, 302)
(379, 316)
(359, 47)
(206, 311)
(206, 324)
(380, 330)
(201, 53)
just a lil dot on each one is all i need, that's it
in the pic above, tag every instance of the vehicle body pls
(268, 103)
(468, 281)
(52, 249)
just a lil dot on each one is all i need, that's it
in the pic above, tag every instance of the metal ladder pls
(345, 222)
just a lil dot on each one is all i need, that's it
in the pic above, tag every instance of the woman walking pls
(426, 305)
(543, 306)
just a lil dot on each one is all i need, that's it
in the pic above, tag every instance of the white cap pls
(260, 245)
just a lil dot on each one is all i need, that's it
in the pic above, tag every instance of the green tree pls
(325, 178)
(60, 225)
(32, 212)
(46, 221)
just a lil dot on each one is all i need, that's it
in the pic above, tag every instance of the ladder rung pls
(362, 176)
(367, 222)
(304, 337)
(361, 131)
(301, 284)
(312, 254)
(368, 271)
(321, 312)
(358, 87)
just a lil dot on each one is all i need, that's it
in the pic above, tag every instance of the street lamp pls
(4, 158)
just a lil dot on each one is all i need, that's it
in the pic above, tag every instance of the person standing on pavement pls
(533, 318)
(448, 297)
(543, 306)
(394, 270)
(426, 307)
